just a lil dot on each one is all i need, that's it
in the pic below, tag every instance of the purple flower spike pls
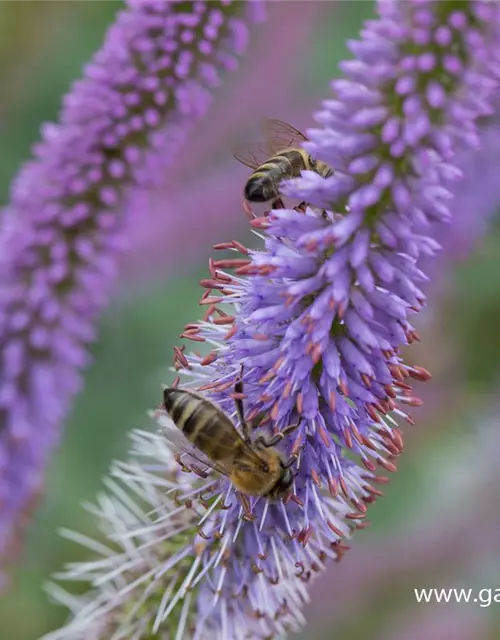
(314, 321)
(321, 312)
(149, 576)
(64, 225)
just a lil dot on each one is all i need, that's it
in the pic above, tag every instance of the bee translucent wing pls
(254, 456)
(182, 444)
(281, 135)
(251, 456)
(251, 154)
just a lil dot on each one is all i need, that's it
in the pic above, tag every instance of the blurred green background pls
(43, 46)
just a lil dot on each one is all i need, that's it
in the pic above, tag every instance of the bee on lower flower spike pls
(254, 466)
(279, 158)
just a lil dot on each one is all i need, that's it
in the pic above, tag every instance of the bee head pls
(323, 169)
(312, 164)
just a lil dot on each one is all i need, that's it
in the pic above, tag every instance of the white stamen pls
(125, 498)
(166, 566)
(187, 581)
(183, 618)
(264, 514)
(400, 413)
(160, 615)
(221, 551)
(85, 541)
(276, 559)
(211, 508)
(238, 527)
(317, 501)
(257, 538)
(285, 517)
(121, 568)
(218, 589)
(148, 529)
(204, 571)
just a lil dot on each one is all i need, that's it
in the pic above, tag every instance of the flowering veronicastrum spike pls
(150, 514)
(63, 227)
(317, 317)
(139, 557)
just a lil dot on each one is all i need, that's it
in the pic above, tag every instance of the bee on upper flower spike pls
(279, 158)
(253, 465)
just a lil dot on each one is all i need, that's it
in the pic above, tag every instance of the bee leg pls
(262, 441)
(277, 203)
(290, 462)
(265, 442)
(247, 509)
(238, 389)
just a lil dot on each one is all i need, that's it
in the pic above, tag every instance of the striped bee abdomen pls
(263, 184)
(205, 425)
(186, 410)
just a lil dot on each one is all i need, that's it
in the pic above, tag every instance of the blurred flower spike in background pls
(318, 317)
(70, 207)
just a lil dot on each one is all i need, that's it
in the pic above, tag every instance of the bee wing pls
(281, 135)
(180, 442)
(251, 154)
(249, 461)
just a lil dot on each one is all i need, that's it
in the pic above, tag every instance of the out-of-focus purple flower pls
(477, 196)
(63, 228)
(317, 318)
(164, 241)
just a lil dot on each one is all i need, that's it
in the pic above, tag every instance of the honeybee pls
(280, 157)
(254, 466)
